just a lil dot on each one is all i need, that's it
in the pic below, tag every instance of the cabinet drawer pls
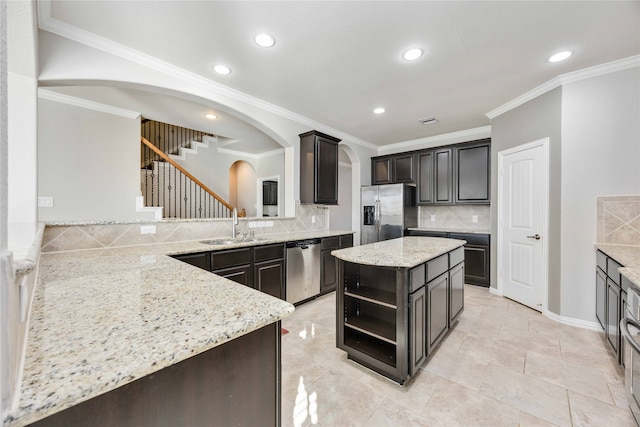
(330, 243)
(199, 260)
(612, 270)
(601, 260)
(437, 266)
(346, 241)
(456, 256)
(230, 258)
(417, 278)
(268, 252)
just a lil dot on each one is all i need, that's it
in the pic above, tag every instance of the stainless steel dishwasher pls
(303, 270)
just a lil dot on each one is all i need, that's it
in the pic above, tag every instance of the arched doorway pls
(242, 187)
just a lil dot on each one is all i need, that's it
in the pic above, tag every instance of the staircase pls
(167, 185)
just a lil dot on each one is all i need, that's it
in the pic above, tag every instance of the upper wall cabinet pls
(393, 169)
(458, 174)
(472, 173)
(318, 168)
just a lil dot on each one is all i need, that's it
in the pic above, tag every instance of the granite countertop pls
(400, 252)
(628, 256)
(451, 230)
(24, 240)
(102, 318)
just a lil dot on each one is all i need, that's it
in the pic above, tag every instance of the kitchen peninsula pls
(397, 300)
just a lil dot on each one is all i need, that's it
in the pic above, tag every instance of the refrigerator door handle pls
(378, 215)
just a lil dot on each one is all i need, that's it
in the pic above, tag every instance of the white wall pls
(600, 156)
(340, 214)
(89, 162)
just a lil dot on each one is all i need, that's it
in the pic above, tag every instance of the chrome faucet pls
(234, 223)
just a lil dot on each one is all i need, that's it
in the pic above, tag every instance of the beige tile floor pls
(502, 365)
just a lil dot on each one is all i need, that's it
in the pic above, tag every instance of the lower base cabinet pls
(229, 385)
(329, 263)
(437, 310)
(611, 296)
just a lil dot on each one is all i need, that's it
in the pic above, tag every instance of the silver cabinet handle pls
(537, 237)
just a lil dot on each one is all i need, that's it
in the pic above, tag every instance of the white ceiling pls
(334, 62)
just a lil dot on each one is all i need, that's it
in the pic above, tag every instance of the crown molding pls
(83, 103)
(55, 26)
(576, 76)
(443, 139)
(250, 155)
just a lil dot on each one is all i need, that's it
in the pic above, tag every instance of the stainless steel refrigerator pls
(387, 210)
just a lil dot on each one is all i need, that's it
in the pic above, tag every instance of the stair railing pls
(168, 185)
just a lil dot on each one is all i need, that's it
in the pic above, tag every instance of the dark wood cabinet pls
(611, 298)
(318, 168)
(201, 259)
(417, 328)
(472, 180)
(443, 176)
(393, 169)
(239, 274)
(456, 174)
(268, 269)
(477, 252)
(328, 263)
(601, 297)
(425, 178)
(456, 293)
(437, 309)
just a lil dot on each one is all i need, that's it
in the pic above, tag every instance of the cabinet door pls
(326, 172)
(417, 331)
(613, 316)
(329, 272)
(381, 171)
(456, 292)
(472, 173)
(269, 278)
(623, 343)
(443, 174)
(437, 310)
(425, 178)
(240, 274)
(403, 169)
(601, 297)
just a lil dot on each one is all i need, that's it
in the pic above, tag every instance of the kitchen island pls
(397, 300)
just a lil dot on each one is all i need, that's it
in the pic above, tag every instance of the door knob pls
(536, 236)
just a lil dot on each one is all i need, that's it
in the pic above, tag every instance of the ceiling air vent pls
(427, 120)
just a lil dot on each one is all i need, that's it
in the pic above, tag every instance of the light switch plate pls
(45, 202)
(147, 229)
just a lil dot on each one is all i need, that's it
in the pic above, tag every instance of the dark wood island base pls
(391, 318)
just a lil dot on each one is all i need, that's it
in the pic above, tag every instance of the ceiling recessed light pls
(379, 110)
(265, 40)
(211, 116)
(560, 56)
(412, 54)
(222, 69)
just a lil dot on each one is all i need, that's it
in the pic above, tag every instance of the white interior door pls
(522, 223)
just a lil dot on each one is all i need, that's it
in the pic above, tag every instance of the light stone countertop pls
(401, 252)
(102, 318)
(628, 256)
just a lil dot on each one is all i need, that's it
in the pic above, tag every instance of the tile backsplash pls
(618, 220)
(95, 236)
(459, 217)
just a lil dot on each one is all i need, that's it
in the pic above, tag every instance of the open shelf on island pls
(372, 326)
(374, 295)
(372, 347)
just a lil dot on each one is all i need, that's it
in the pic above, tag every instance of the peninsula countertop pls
(401, 252)
(102, 318)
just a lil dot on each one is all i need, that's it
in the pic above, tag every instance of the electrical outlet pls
(45, 202)
(433, 217)
(474, 218)
(313, 219)
(147, 229)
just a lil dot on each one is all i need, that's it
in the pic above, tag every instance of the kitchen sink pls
(231, 241)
